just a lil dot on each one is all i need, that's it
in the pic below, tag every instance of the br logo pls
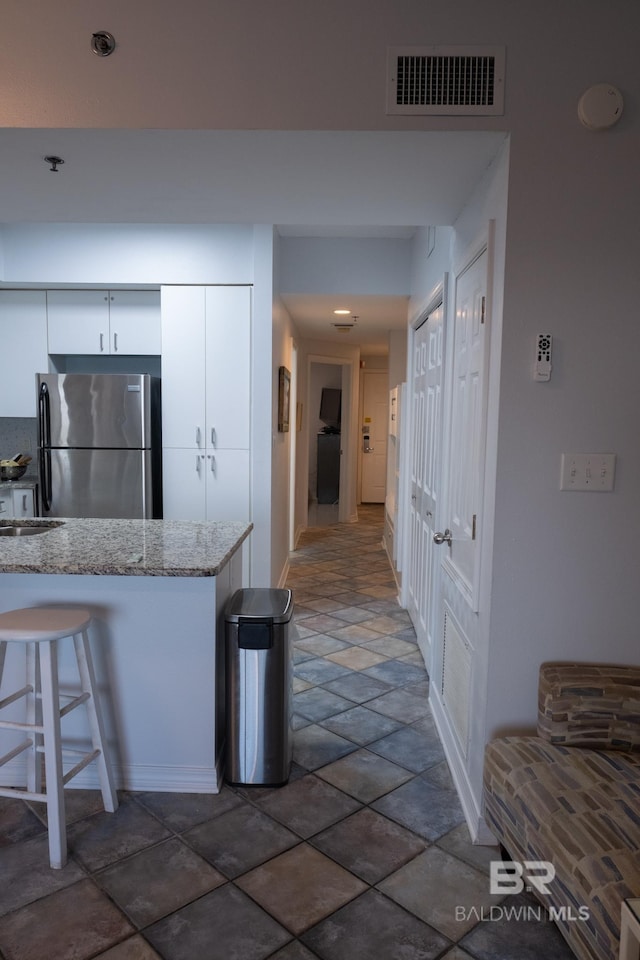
(513, 876)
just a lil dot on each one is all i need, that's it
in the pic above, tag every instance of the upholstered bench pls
(571, 796)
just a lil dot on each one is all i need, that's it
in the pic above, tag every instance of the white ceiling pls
(309, 183)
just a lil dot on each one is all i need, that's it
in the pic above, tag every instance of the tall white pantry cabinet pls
(206, 403)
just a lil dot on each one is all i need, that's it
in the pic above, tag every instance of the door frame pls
(348, 474)
(361, 428)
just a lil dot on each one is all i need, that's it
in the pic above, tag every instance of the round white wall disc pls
(600, 106)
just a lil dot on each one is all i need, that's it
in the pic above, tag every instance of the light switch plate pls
(591, 472)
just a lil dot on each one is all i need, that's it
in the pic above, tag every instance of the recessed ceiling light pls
(342, 313)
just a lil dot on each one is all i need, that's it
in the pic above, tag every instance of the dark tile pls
(361, 725)
(428, 810)
(369, 845)
(443, 891)
(107, 837)
(458, 842)
(158, 881)
(301, 887)
(294, 951)
(240, 840)
(313, 746)
(320, 670)
(401, 705)
(396, 673)
(27, 876)
(78, 804)
(71, 924)
(135, 948)
(358, 688)
(308, 805)
(410, 748)
(522, 937)
(373, 927)
(180, 811)
(318, 704)
(17, 822)
(364, 775)
(222, 925)
(319, 645)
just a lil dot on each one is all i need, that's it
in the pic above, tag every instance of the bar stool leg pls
(34, 718)
(53, 754)
(94, 713)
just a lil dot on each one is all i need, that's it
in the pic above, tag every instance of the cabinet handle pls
(102, 343)
(2, 506)
(198, 436)
(115, 343)
(213, 463)
(24, 503)
(213, 436)
(198, 462)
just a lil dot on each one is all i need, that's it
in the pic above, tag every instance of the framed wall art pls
(284, 390)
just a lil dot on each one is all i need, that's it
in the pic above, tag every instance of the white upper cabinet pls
(107, 322)
(206, 367)
(23, 350)
(183, 367)
(228, 352)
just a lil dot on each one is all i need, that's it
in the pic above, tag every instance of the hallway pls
(364, 855)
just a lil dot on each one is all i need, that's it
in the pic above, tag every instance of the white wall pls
(319, 265)
(283, 336)
(50, 254)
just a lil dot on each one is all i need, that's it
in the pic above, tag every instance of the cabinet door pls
(78, 321)
(6, 503)
(183, 367)
(134, 322)
(228, 349)
(184, 478)
(228, 485)
(23, 337)
(23, 502)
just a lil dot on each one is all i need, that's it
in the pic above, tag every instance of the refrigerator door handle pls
(44, 418)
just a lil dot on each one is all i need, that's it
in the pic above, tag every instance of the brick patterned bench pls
(571, 796)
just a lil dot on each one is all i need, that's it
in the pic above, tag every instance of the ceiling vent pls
(445, 81)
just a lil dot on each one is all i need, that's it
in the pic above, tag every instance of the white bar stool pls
(40, 628)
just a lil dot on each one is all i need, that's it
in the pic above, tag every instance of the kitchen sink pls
(23, 531)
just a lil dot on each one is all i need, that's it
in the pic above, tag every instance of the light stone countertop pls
(140, 548)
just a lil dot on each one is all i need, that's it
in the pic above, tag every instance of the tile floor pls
(364, 855)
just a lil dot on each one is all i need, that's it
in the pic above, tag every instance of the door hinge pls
(483, 309)
(473, 527)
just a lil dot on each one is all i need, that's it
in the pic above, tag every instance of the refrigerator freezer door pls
(100, 483)
(101, 410)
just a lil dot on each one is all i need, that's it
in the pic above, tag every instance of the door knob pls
(442, 537)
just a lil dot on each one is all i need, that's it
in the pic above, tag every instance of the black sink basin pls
(23, 531)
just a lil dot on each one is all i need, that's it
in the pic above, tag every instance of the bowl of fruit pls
(15, 468)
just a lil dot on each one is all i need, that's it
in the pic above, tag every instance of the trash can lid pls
(260, 603)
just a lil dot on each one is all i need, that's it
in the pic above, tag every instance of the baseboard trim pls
(136, 777)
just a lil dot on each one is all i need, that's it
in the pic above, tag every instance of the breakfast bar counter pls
(157, 590)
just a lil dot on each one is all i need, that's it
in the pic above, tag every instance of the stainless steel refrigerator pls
(99, 447)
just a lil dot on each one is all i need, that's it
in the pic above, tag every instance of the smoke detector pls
(600, 106)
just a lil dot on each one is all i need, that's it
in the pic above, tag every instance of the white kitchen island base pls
(158, 646)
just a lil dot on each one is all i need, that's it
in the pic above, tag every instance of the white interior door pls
(426, 431)
(467, 432)
(375, 420)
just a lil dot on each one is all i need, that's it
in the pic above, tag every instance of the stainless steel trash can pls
(258, 676)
